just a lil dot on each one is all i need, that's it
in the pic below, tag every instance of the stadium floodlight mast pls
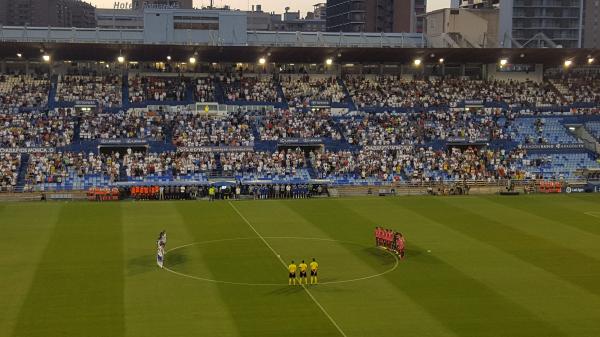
(262, 61)
(192, 60)
(442, 60)
(46, 58)
(19, 55)
(568, 63)
(168, 57)
(121, 59)
(503, 62)
(590, 60)
(329, 61)
(417, 62)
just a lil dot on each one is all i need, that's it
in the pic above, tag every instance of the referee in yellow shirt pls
(303, 269)
(314, 266)
(292, 269)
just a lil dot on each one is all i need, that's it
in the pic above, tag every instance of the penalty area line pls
(285, 266)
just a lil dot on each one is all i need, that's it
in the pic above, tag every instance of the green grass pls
(498, 266)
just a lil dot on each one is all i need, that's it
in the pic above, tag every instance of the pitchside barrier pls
(400, 188)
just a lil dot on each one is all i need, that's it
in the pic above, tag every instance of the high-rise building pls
(45, 13)
(375, 15)
(473, 4)
(591, 24)
(541, 23)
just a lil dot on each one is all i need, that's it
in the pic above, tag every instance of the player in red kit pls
(400, 245)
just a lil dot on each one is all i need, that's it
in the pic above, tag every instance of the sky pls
(277, 6)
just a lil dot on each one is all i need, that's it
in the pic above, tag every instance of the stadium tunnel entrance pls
(122, 149)
(305, 147)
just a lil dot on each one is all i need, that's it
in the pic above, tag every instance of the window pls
(197, 25)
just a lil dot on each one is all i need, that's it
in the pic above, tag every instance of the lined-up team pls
(390, 239)
(292, 268)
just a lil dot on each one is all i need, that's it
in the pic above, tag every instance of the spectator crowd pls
(23, 91)
(106, 90)
(193, 129)
(249, 88)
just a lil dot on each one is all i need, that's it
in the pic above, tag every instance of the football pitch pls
(485, 266)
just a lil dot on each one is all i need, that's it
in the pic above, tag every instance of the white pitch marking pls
(593, 213)
(396, 261)
(285, 266)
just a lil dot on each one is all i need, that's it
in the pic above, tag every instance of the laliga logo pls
(568, 190)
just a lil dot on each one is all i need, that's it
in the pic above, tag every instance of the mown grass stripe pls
(25, 232)
(77, 289)
(254, 311)
(491, 229)
(565, 210)
(465, 305)
(365, 308)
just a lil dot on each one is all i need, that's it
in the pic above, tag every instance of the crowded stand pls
(435, 136)
(394, 128)
(156, 88)
(301, 90)
(28, 129)
(417, 164)
(70, 169)
(249, 88)
(106, 90)
(396, 92)
(281, 163)
(141, 166)
(280, 124)
(191, 129)
(24, 91)
(132, 124)
(204, 90)
(9, 167)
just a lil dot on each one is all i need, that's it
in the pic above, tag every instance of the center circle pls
(247, 261)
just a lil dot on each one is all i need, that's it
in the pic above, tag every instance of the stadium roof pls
(181, 53)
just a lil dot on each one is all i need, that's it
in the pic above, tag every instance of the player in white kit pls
(160, 256)
(160, 253)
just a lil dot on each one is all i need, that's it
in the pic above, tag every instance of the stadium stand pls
(9, 165)
(301, 90)
(286, 124)
(28, 129)
(191, 129)
(106, 90)
(156, 88)
(403, 130)
(540, 131)
(67, 171)
(123, 125)
(204, 90)
(24, 91)
(166, 166)
(249, 88)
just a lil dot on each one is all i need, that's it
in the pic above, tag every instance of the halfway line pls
(285, 266)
